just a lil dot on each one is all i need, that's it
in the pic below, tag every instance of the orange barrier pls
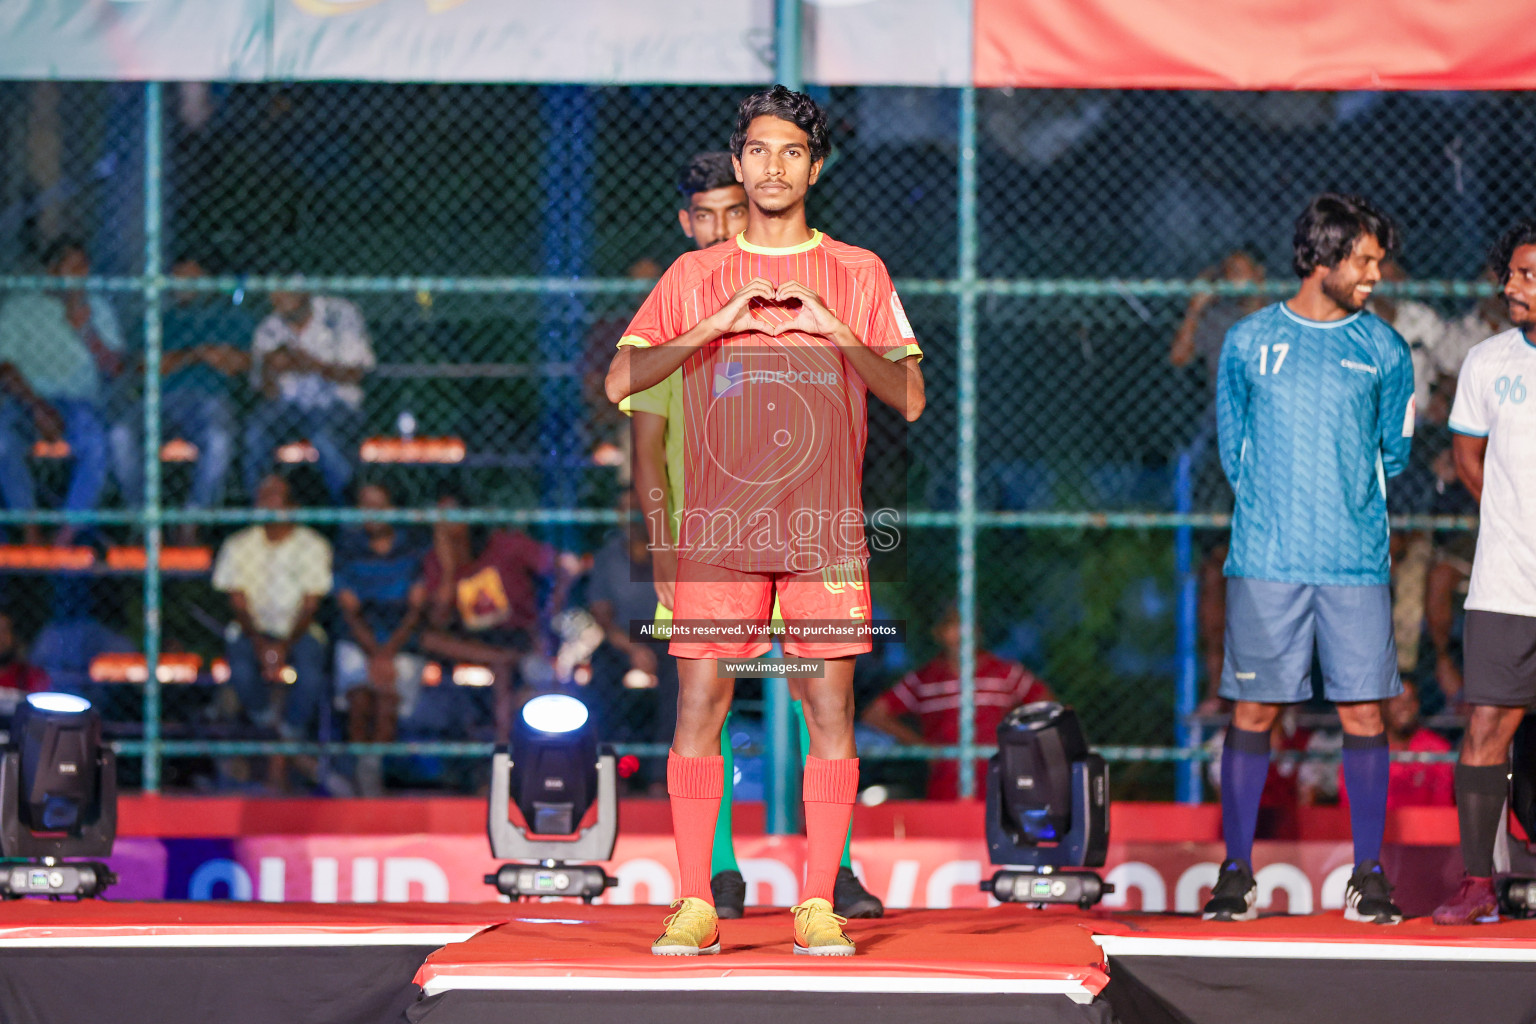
(174, 667)
(433, 451)
(174, 559)
(463, 675)
(174, 450)
(297, 452)
(44, 556)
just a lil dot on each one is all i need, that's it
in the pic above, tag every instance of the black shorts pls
(1500, 659)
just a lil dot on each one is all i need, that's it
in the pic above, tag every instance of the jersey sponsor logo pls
(730, 378)
(902, 323)
(1350, 364)
(1246, 675)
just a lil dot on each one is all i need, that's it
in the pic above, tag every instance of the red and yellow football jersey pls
(774, 426)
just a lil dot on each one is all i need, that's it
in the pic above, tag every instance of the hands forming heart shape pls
(776, 309)
(773, 311)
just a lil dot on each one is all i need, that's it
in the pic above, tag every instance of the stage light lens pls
(64, 703)
(555, 713)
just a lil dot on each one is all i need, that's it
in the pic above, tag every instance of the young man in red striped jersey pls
(715, 212)
(781, 334)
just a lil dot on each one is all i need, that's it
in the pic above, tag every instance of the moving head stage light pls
(542, 790)
(58, 799)
(1517, 890)
(1047, 809)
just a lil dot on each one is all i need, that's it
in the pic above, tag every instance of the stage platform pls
(221, 962)
(1168, 969)
(244, 963)
(563, 964)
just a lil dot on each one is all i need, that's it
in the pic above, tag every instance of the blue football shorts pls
(1271, 628)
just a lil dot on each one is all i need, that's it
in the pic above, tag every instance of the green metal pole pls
(966, 373)
(778, 727)
(786, 45)
(153, 285)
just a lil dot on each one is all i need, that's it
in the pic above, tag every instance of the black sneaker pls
(1368, 896)
(1233, 897)
(730, 892)
(851, 899)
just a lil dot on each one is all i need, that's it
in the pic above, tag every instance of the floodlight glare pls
(58, 798)
(1047, 809)
(555, 713)
(542, 787)
(63, 703)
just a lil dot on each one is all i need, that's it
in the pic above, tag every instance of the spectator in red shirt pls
(482, 602)
(18, 676)
(1413, 784)
(931, 695)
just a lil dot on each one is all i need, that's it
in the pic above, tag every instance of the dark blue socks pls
(1244, 767)
(1367, 765)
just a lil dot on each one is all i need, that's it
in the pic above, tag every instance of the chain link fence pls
(463, 258)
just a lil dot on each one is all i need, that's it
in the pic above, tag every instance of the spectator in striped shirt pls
(931, 696)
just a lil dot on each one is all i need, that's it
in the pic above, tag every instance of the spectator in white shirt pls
(276, 575)
(308, 360)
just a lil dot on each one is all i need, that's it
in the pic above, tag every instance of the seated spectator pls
(1413, 784)
(276, 574)
(1207, 318)
(482, 602)
(55, 349)
(308, 360)
(18, 676)
(634, 682)
(1293, 781)
(1412, 491)
(206, 341)
(378, 588)
(931, 695)
(1485, 319)
(1420, 326)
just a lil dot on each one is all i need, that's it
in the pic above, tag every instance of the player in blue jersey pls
(1314, 410)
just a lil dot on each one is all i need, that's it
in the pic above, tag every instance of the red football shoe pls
(1475, 902)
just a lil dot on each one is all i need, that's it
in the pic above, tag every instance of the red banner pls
(1253, 44)
(1299, 877)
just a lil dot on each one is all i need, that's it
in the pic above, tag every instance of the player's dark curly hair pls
(706, 172)
(787, 105)
(1522, 232)
(1327, 229)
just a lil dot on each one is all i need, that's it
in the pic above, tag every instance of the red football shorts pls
(729, 611)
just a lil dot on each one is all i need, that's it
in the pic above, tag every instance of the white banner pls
(598, 41)
(728, 42)
(586, 41)
(139, 40)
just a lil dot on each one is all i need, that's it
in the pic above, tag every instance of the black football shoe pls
(730, 892)
(1233, 897)
(851, 899)
(1368, 896)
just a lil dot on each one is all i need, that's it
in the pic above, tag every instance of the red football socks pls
(695, 785)
(830, 788)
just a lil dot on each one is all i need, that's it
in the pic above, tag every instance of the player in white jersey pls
(1494, 439)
